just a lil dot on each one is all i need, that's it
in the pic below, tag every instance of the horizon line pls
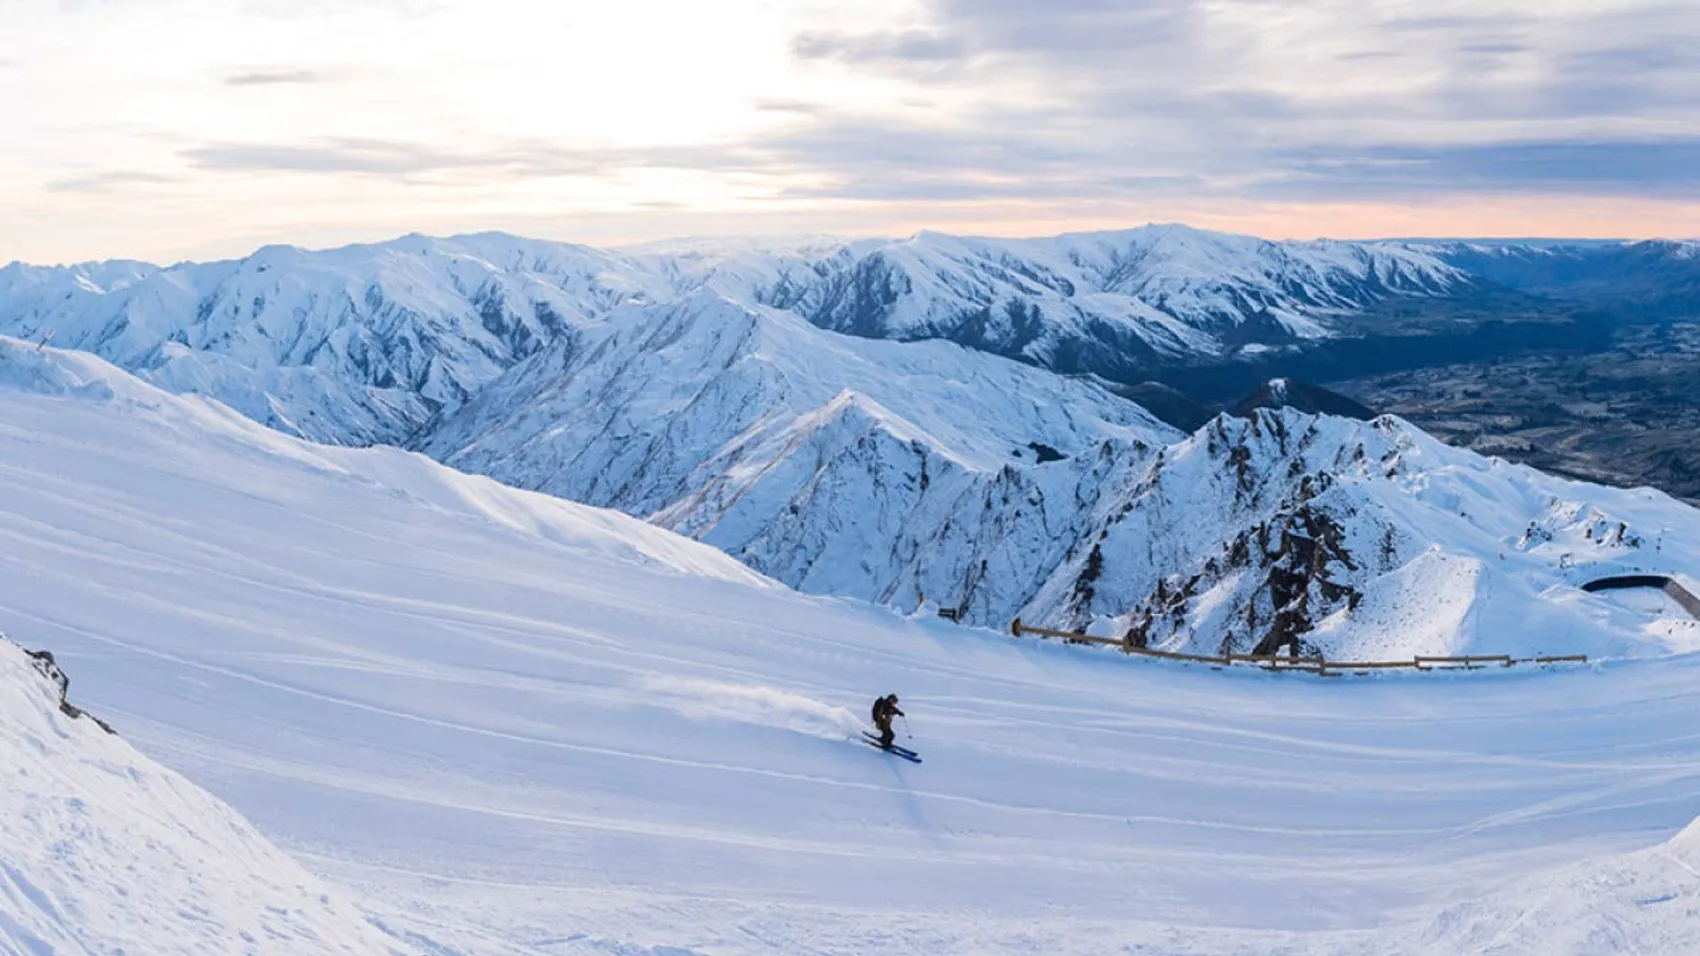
(778, 238)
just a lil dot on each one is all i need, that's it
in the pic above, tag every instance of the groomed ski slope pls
(507, 724)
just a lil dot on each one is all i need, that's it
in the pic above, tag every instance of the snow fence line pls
(1308, 665)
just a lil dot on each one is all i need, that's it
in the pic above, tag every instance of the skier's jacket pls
(884, 709)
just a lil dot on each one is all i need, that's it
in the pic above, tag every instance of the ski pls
(895, 750)
(908, 755)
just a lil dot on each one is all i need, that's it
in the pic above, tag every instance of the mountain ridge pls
(399, 330)
(746, 398)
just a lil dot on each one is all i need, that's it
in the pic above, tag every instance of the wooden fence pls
(1309, 665)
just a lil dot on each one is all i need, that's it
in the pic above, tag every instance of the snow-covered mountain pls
(103, 851)
(911, 473)
(1109, 303)
(836, 464)
(693, 383)
(903, 473)
(1656, 277)
(363, 344)
(1362, 541)
(352, 345)
(519, 726)
(710, 388)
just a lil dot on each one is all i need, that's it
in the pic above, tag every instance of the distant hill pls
(1167, 404)
(1303, 396)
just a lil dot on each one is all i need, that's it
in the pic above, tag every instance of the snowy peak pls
(107, 852)
(750, 429)
(846, 416)
(351, 345)
(366, 343)
(1157, 291)
(1360, 541)
(751, 367)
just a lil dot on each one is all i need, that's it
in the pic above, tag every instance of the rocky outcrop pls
(49, 668)
(1310, 535)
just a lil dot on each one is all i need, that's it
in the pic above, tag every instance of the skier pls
(884, 709)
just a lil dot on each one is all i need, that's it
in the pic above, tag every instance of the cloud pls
(782, 105)
(1247, 98)
(276, 78)
(105, 182)
(971, 37)
(913, 46)
(1656, 168)
(345, 155)
(334, 155)
(402, 10)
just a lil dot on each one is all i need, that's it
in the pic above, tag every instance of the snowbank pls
(102, 851)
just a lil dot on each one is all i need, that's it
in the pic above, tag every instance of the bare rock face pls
(1296, 567)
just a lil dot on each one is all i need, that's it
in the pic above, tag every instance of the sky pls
(170, 129)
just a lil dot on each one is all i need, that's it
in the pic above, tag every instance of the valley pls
(1624, 414)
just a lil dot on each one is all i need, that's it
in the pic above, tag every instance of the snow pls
(1600, 906)
(104, 851)
(505, 724)
(367, 343)
(751, 430)
(744, 393)
(1427, 549)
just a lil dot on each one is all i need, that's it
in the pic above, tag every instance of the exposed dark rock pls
(1168, 404)
(1308, 398)
(50, 669)
(1044, 453)
(1296, 560)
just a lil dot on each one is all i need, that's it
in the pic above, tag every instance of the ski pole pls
(906, 734)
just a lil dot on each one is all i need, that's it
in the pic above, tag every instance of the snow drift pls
(1642, 902)
(102, 851)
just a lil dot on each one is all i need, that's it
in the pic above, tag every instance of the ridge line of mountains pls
(933, 420)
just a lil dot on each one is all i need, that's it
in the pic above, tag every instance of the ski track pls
(462, 721)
